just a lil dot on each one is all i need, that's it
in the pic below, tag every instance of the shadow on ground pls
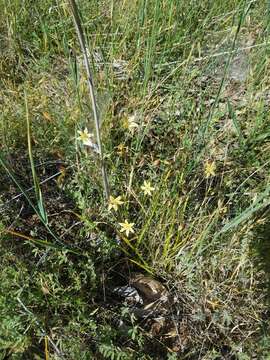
(260, 248)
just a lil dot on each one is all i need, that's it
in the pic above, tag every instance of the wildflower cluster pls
(115, 202)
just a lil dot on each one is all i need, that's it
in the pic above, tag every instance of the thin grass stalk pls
(80, 34)
(46, 348)
(242, 16)
(38, 193)
(39, 242)
(151, 45)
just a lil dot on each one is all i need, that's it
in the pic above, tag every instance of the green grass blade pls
(39, 198)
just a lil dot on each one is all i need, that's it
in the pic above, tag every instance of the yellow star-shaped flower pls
(131, 123)
(85, 137)
(121, 149)
(147, 188)
(127, 227)
(114, 203)
(209, 169)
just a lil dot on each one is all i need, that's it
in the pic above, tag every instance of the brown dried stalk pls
(80, 34)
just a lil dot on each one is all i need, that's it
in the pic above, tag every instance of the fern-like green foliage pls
(109, 351)
(13, 339)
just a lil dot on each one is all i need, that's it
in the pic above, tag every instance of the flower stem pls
(79, 30)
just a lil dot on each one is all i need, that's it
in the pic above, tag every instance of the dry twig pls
(81, 38)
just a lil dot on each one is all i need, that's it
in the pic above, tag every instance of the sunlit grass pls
(186, 146)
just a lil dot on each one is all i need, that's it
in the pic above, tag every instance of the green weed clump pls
(182, 96)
